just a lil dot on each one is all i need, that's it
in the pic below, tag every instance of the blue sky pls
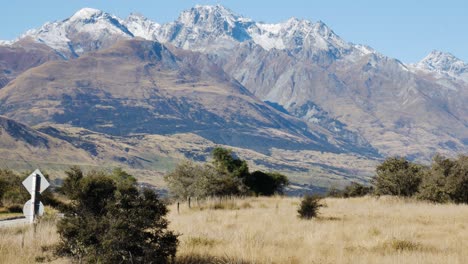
(404, 29)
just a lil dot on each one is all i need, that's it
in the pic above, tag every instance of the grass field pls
(267, 230)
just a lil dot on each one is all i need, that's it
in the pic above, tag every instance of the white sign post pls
(36, 183)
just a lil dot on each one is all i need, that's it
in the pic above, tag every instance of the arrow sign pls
(29, 181)
(35, 183)
(27, 209)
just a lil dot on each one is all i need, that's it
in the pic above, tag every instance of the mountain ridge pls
(254, 84)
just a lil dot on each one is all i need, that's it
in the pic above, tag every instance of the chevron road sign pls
(36, 183)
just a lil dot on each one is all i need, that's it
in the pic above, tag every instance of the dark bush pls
(109, 220)
(15, 208)
(356, 190)
(267, 184)
(309, 206)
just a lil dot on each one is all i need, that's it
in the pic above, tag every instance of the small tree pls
(225, 162)
(70, 185)
(446, 180)
(397, 176)
(434, 182)
(108, 221)
(309, 206)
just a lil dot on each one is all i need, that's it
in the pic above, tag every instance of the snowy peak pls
(443, 62)
(296, 34)
(86, 14)
(195, 26)
(93, 20)
(87, 30)
(215, 20)
(203, 26)
(142, 27)
(5, 42)
(210, 14)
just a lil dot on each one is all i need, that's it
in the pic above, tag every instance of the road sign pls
(28, 182)
(36, 183)
(27, 209)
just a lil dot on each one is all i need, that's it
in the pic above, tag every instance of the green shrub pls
(309, 206)
(12, 191)
(397, 176)
(110, 222)
(446, 181)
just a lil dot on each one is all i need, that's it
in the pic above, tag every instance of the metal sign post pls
(36, 183)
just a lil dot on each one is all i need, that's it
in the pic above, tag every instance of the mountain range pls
(101, 84)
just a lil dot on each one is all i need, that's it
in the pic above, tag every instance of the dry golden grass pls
(360, 230)
(267, 230)
(21, 245)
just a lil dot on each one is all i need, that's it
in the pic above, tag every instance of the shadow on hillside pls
(199, 259)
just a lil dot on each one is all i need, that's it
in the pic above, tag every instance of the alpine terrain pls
(97, 89)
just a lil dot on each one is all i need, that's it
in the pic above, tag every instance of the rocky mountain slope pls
(25, 147)
(294, 87)
(141, 86)
(312, 73)
(21, 56)
(56, 147)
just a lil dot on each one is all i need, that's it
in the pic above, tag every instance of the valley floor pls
(267, 230)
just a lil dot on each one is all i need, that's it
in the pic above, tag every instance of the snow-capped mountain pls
(221, 28)
(444, 63)
(305, 69)
(142, 27)
(295, 34)
(200, 26)
(5, 42)
(87, 30)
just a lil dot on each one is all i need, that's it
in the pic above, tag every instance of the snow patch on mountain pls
(88, 24)
(5, 42)
(51, 34)
(267, 36)
(443, 62)
(296, 34)
(142, 27)
(443, 65)
(86, 13)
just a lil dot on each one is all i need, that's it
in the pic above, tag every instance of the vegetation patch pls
(309, 207)
(222, 204)
(401, 245)
(201, 242)
(225, 175)
(207, 259)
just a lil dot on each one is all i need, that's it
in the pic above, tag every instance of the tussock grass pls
(224, 203)
(356, 230)
(402, 245)
(201, 242)
(22, 245)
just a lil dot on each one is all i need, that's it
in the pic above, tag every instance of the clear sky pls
(404, 29)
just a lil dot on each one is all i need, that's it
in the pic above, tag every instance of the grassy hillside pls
(266, 230)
